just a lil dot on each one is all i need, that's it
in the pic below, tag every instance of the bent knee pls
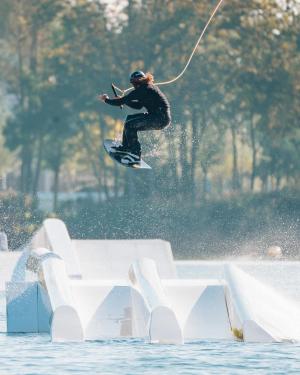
(129, 118)
(165, 123)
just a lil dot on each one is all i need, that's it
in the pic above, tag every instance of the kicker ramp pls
(73, 310)
(92, 278)
(82, 291)
(200, 307)
(111, 259)
(163, 326)
(101, 259)
(54, 298)
(258, 313)
(181, 309)
(40, 306)
(53, 235)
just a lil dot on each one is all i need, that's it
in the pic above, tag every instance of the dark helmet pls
(135, 76)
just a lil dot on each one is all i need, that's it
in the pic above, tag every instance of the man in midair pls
(145, 94)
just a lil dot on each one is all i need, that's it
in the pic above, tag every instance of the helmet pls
(135, 76)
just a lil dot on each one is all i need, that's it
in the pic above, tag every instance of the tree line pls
(236, 111)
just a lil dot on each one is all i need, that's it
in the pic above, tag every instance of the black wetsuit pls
(157, 117)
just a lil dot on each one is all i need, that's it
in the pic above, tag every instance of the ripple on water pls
(35, 354)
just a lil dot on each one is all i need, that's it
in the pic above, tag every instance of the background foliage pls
(236, 112)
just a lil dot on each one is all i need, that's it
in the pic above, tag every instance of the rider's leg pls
(123, 147)
(132, 125)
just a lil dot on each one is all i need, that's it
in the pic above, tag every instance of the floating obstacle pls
(98, 289)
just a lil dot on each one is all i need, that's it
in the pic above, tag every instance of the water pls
(36, 355)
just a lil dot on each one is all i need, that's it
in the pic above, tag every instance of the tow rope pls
(189, 59)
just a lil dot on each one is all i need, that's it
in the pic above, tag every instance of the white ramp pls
(54, 236)
(83, 289)
(66, 324)
(111, 259)
(101, 259)
(200, 307)
(163, 325)
(257, 312)
(110, 309)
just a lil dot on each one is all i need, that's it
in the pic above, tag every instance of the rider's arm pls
(130, 99)
(115, 101)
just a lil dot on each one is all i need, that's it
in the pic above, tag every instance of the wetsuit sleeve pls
(135, 104)
(116, 101)
(130, 99)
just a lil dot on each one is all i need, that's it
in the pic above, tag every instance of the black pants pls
(142, 122)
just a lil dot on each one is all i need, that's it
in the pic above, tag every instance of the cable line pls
(189, 59)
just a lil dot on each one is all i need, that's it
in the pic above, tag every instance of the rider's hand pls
(102, 97)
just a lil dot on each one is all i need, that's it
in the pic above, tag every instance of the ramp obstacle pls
(79, 290)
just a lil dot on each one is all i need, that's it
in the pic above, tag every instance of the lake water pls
(37, 355)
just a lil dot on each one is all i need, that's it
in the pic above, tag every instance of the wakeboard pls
(120, 157)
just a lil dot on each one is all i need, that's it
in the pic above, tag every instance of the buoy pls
(274, 252)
